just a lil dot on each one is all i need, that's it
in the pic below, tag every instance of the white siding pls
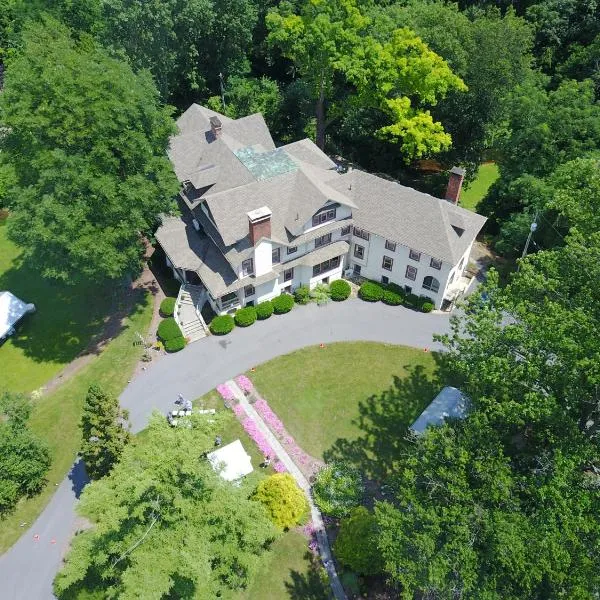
(262, 258)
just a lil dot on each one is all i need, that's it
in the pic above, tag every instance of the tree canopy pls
(165, 524)
(85, 138)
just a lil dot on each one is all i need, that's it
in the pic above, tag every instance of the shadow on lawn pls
(384, 420)
(312, 585)
(68, 319)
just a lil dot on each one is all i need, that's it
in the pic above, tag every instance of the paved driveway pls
(28, 568)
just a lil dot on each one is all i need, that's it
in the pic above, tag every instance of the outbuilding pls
(449, 403)
(12, 310)
(231, 461)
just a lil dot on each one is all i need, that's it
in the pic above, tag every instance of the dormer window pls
(323, 217)
(323, 240)
(276, 256)
(247, 267)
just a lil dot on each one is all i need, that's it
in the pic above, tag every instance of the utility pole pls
(222, 90)
(532, 230)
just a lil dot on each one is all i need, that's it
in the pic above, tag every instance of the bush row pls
(394, 295)
(167, 307)
(338, 291)
(170, 334)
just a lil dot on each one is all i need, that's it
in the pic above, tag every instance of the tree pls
(282, 498)
(165, 524)
(356, 543)
(338, 488)
(245, 96)
(86, 139)
(332, 50)
(103, 431)
(24, 459)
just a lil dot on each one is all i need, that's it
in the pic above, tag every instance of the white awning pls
(11, 311)
(450, 402)
(231, 461)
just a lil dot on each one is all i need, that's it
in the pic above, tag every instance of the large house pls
(258, 221)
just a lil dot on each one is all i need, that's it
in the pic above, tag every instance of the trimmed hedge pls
(283, 304)
(412, 301)
(302, 295)
(244, 317)
(222, 325)
(427, 307)
(176, 344)
(167, 307)
(264, 310)
(339, 290)
(397, 289)
(392, 298)
(370, 292)
(168, 329)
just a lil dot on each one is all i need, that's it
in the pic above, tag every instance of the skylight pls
(264, 165)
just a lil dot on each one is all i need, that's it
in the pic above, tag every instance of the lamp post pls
(532, 230)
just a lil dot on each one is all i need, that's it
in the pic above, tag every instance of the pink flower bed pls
(239, 411)
(259, 439)
(225, 392)
(270, 418)
(244, 383)
(279, 467)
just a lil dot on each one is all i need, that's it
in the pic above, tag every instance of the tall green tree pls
(104, 432)
(24, 458)
(165, 525)
(332, 50)
(86, 139)
(356, 543)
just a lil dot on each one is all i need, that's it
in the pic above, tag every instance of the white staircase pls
(189, 303)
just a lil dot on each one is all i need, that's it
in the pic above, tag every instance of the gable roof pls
(449, 403)
(12, 310)
(409, 217)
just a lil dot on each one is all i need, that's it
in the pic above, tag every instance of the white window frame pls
(361, 252)
(391, 263)
(435, 263)
(246, 272)
(391, 246)
(414, 255)
(411, 272)
(248, 293)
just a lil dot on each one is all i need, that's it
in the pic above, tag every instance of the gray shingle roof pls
(411, 218)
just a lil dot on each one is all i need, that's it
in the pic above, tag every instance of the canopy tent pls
(450, 402)
(231, 461)
(12, 310)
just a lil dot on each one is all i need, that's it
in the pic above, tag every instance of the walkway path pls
(26, 572)
(290, 465)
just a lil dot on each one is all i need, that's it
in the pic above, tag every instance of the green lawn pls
(66, 319)
(327, 395)
(56, 416)
(471, 196)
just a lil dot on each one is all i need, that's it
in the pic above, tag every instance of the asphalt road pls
(28, 568)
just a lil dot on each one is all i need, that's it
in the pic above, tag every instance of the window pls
(432, 284)
(323, 217)
(249, 291)
(385, 279)
(323, 240)
(292, 249)
(247, 267)
(361, 233)
(359, 251)
(387, 263)
(275, 255)
(288, 275)
(286, 290)
(451, 278)
(435, 263)
(460, 264)
(414, 255)
(346, 230)
(391, 246)
(356, 269)
(411, 272)
(328, 265)
(408, 289)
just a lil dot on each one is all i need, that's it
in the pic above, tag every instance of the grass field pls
(471, 196)
(66, 319)
(56, 416)
(325, 395)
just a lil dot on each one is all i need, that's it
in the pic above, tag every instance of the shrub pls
(320, 293)
(392, 298)
(222, 325)
(167, 307)
(245, 316)
(412, 300)
(427, 307)
(168, 329)
(338, 488)
(339, 290)
(302, 295)
(264, 310)
(285, 502)
(397, 289)
(370, 291)
(283, 304)
(176, 344)
(356, 543)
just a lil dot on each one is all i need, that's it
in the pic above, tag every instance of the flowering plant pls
(270, 418)
(252, 430)
(279, 467)
(244, 383)
(225, 392)
(239, 411)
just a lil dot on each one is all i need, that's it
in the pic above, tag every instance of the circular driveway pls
(28, 568)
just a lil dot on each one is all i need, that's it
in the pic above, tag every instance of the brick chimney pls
(259, 224)
(455, 182)
(215, 126)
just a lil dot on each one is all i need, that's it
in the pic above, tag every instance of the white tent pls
(11, 311)
(450, 402)
(231, 461)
